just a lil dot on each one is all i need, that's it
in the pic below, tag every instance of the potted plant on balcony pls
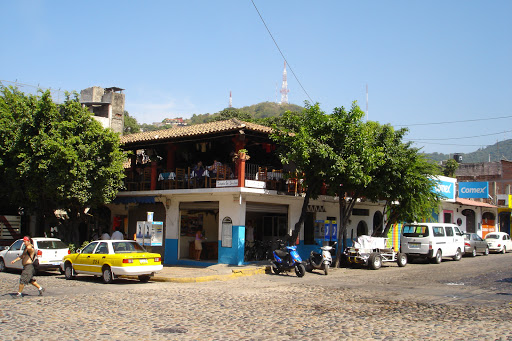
(241, 155)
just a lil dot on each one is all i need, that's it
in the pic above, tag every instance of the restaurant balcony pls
(152, 178)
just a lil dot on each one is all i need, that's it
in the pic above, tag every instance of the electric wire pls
(460, 138)
(450, 122)
(282, 55)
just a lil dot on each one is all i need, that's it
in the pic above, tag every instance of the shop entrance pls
(265, 224)
(202, 217)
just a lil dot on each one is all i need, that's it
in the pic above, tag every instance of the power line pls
(291, 69)
(449, 122)
(460, 138)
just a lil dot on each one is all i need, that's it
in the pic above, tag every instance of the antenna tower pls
(230, 100)
(284, 87)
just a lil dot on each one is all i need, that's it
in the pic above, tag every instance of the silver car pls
(473, 244)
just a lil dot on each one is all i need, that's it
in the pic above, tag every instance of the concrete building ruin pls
(107, 105)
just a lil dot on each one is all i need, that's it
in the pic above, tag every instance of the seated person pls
(213, 168)
(199, 173)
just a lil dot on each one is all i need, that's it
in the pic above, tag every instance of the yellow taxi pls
(112, 258)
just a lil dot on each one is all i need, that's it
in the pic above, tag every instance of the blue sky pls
(424, 61)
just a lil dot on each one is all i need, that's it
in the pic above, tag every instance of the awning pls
(470, 202)
(266, 208)
(129, 200)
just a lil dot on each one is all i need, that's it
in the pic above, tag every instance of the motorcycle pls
(287, 258)
(320, 260)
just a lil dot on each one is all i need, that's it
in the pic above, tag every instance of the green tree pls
(450, 167)
(403, 180)
(355, 161)
(300, 140)
(230, 113)
(56, 156)
(131, 126)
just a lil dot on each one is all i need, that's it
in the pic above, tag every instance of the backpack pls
(35, 260)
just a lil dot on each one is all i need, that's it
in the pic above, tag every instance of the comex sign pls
(473, 190)
(446, 188)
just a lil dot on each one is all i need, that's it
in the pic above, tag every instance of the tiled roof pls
(469, 202)
(194, 130)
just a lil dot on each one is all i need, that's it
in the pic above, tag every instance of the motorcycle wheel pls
(300, 270)
(276, 270)
(326, 269)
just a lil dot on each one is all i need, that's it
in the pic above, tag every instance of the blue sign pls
(446, 189)
(474, 190)
(327, 235)
(334, 234)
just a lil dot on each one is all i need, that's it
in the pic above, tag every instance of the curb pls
(235, 274)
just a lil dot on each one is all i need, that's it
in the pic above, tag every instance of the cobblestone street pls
(264, 307)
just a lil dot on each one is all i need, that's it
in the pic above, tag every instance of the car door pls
(450, 246)
(83, 262)
(98, 257)
(480, 244)
(508, 242)
(458, 240)
(15, 250)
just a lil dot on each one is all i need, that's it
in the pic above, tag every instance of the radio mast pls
(230, 100)
(284, 88)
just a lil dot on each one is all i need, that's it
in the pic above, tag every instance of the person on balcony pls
(198, 172)
(213, 168)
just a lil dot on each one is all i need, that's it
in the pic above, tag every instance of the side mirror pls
(4, 248)
(79, 251)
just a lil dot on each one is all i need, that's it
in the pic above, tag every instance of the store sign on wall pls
(446, 189)
(473, 190)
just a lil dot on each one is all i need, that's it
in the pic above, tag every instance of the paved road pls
(466, 300)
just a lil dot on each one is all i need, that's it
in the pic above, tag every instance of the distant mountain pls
(498, 151)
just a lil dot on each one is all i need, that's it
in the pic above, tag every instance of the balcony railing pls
(150, 178)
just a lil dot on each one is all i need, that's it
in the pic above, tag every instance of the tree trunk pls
(298, 225)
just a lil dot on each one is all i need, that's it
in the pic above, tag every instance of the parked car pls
(432, 241)
(111, 258)
(498, 242)
(473, 244)
(50, 252)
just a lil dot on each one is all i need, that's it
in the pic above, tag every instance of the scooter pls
(287, 258)
(320, 260)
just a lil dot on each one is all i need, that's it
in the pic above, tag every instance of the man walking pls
(27, 275)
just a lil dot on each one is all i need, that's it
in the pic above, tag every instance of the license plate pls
(414, 246)
(143, 261)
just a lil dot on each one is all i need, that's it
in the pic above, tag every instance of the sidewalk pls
(217, 272)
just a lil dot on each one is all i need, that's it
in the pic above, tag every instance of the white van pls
(432, 240)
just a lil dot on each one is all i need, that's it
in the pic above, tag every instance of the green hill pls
(253, 112)
(498, 151)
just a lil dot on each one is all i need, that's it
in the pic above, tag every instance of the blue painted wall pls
(171, 251)
(233, 255)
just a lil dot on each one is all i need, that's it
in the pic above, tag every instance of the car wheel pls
(2, 265)
(458, 255)
(486, 252)
(438, 258)
(375, 261)
(68, 271)
(144, 278)
(107, 275)
(401, 259)
(473, 253)
(504, 250)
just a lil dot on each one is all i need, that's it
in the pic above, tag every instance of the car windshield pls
(492, 236)
(415, 231)
(127, 247)
(51, 245)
